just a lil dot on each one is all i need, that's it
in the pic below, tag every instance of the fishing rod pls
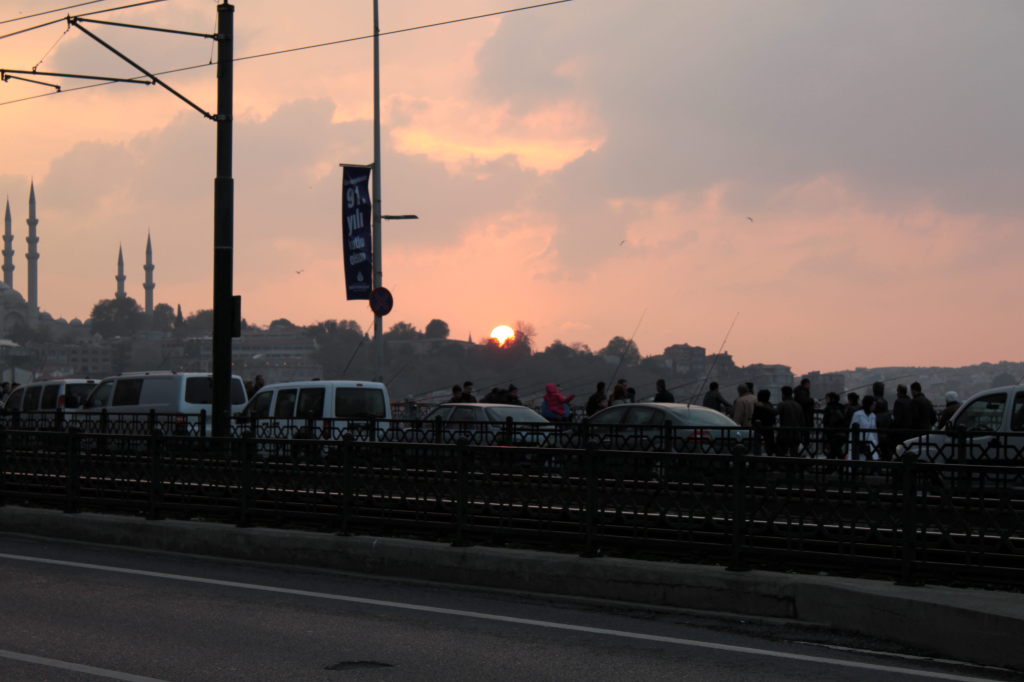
(715, 361)
(622, 358)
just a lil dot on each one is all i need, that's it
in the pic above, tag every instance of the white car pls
(987, 428)
(484, 424)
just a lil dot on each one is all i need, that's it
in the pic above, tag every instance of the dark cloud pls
(910, 101)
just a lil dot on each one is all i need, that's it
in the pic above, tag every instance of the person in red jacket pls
(556, 406)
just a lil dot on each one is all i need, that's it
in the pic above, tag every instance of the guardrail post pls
(71, 452)
(908, 559)
(962, 481)
(245, 476)
(155, 469)
(373, 429)
(438, 430)
(590, 549)
(202, 424)
(3, 466)
(58, 419)
(347, 470)
(461, 493)
(739, 508)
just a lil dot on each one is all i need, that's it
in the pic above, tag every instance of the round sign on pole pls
(381, 301)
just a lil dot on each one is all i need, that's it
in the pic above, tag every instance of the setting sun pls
(503, 334)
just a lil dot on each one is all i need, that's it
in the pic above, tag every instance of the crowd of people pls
(860, 428)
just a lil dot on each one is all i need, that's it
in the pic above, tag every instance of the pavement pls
(980, 626)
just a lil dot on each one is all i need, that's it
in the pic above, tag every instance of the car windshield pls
(517, 412)
(699, 416)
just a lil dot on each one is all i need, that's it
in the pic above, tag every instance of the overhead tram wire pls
(274, 53)
(49, 11)
(86, 14)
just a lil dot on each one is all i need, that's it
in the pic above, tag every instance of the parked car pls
(323, 409)
(177, 398)
(49, 395)
(484, 424)
(987, 427)
(675, 427)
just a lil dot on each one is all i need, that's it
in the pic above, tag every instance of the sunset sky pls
(844, 176)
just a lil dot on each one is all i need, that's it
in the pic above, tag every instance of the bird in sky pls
(750, 219)
(622, 242)
(299, 272)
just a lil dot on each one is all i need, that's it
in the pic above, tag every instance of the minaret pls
(8, 248)
(120, 274)
(148, 267)
(33, 253)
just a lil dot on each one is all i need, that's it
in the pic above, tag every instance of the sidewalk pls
(968, 624)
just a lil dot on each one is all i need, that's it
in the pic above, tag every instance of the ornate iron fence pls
(907, 519)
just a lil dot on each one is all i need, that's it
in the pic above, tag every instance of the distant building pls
(684, 359)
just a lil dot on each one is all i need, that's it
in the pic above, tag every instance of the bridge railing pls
(905, 519)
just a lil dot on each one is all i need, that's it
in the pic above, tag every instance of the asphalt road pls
(85, 612)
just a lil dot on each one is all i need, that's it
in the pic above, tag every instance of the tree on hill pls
(436, 329)
(117, 317)
(163, 318)
(199, 323)
(402, 331)
(623, 350)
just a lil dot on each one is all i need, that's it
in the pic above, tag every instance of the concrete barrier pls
(972, 625)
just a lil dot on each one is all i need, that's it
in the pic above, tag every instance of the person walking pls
(713, 399)
(922, 413)
(598, 400)
(764, 421)
(952, 405)
(618, 396)
(555, 406)
(663, 395)
(833, 421)
(467, 393)
(864, 432)
(883, 417)
(901, 414)
(791, 423)
(802, 394)
(743, 408)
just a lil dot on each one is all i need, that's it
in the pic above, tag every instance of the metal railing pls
(905, 519)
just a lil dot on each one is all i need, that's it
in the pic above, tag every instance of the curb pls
(972, 625)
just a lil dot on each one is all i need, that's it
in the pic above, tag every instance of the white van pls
(49, 395)
(178, 394)
(308, 408)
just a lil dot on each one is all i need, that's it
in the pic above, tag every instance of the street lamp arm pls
(76, 22)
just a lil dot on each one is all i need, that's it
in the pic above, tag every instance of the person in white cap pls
(952, 403)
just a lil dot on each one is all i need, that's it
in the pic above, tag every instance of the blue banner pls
(356, 226)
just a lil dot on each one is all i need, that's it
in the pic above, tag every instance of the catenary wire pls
(301, 48)
(86, 14)
(49, 11)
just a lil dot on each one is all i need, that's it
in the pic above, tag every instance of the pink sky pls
(834, 173)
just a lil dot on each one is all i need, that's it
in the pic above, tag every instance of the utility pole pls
(226, 314)
(378, 280)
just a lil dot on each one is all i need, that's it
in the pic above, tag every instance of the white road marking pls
(502, 619)
(75, 667)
